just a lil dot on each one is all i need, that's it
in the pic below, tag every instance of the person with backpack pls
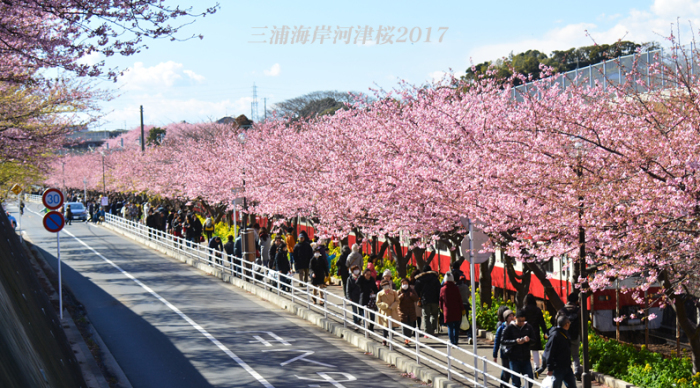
(572, 310)
(505, 318)
(208, 228)
(428, 289)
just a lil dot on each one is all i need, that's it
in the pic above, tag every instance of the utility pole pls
(265, 107)
(143, 143)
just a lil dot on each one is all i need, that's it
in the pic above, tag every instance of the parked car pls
(78, 211)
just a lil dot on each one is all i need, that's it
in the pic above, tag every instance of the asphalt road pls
(169, 325)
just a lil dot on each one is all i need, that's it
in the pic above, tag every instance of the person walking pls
(368, 295)
(283, 268)
(388, 306)
(302, 256)
(428, 289)
(208, 228)
(572, 310)
(217, 247)
(451, 306)
(352, 293)
(228, 248)
(265, 245)
(505, 318)
(465, 292)
(273, 251)
(318, 267)
(407, 309)
(291, 242)
(535, 318)
(355, 257)
(69, 215)
(557, 354)
(419, 309)
(516, 339)
(343, 269)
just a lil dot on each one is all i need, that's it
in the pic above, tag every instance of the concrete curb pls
(91, 371)
(401, 362)
(611, 381)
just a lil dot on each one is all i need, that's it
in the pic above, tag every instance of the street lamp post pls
(583, 291)
(104, 184)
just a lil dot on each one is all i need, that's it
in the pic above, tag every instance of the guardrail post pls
(364, 315)
(292, 284)
(279, 279)
(325, 304)
(308, 297)
(391, 333)
(417, 346)
(345, 315)
(449, 362)
(484, 371)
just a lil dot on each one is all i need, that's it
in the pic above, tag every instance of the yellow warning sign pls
(16, 189)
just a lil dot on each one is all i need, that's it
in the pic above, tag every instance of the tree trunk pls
(520, 283)
(690, 328)
(485, 279)
(401, 260)
(549, 290)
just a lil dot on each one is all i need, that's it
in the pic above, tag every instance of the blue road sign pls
(54, 222)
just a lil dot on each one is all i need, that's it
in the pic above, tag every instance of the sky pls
(201, 80)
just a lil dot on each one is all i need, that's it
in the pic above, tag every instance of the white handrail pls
(284, 284)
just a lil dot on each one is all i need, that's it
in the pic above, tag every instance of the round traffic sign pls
(52, 198)
(54, 222)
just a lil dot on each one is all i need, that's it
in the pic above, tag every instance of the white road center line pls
(177, 311)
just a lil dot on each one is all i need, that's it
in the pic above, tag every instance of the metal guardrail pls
(335, 307)
(615, 72)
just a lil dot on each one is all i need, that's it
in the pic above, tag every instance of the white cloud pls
(163, 75)
(274, 70)
(437, 75)
(161, 110)
(637, 25)
(91, 59)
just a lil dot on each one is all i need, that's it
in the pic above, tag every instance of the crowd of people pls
(518, 342)
(421, 301)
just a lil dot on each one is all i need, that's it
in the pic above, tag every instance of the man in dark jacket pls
(572, 310)
(557, 352)
(302, 256)
(516, 339)
(319, 270)
(428, 289)
(283, 267)
(197, 228)
(216, 245)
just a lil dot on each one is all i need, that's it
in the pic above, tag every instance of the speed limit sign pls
(52, 199)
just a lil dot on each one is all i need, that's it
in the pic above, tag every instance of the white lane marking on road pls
(177, 311)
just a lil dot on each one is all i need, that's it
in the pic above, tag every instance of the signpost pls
(17, 189)
(54, 222)
(468, 246)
